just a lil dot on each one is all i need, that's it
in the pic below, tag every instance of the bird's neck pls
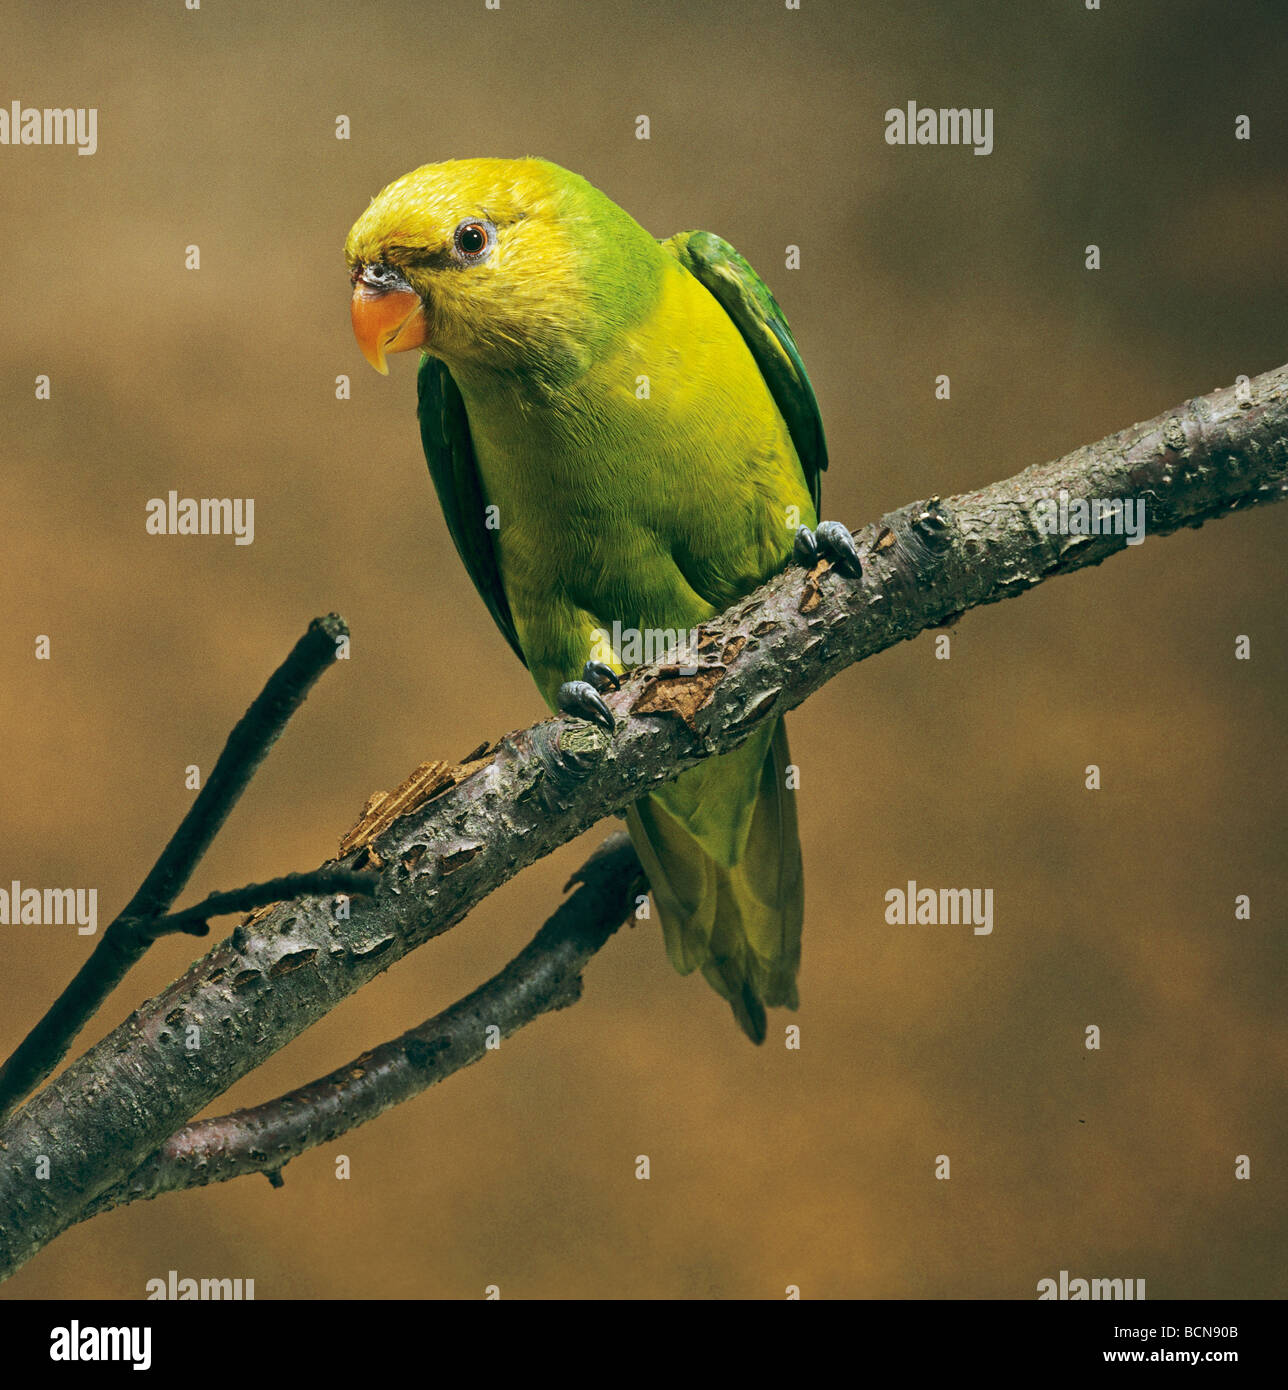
(524, 429)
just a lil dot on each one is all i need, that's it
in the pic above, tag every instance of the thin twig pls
(129, 936)
(313, 883)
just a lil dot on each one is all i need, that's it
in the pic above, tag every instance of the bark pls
(544, 976)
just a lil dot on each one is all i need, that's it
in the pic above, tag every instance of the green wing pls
(449, 451)
(745, 297)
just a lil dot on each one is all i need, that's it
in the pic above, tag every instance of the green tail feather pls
(722, 854)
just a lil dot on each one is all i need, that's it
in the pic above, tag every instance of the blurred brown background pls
(769, 1167)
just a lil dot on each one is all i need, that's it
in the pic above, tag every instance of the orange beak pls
(386, 321)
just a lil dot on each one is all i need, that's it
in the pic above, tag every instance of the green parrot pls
(624, 441)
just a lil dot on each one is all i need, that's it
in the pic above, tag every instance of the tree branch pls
(923, 565)
(544, 976)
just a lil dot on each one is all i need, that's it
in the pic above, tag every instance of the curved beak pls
(386, 320)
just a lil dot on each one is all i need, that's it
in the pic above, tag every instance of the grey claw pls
(599, 675)
(805, 548)
(580, 698)
(835, 541)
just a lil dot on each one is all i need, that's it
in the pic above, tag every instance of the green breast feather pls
(744, 296)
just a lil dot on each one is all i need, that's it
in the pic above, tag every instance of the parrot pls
(620, 430)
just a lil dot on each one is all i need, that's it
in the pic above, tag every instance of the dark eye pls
(473, 240)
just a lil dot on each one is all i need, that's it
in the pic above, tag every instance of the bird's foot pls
(832, 542)
(581, 698)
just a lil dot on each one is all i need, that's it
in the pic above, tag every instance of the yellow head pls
(506, 263)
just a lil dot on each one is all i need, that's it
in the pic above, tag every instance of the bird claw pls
(601, 676)
(833, 542)
(581, 699)
(805, 547)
